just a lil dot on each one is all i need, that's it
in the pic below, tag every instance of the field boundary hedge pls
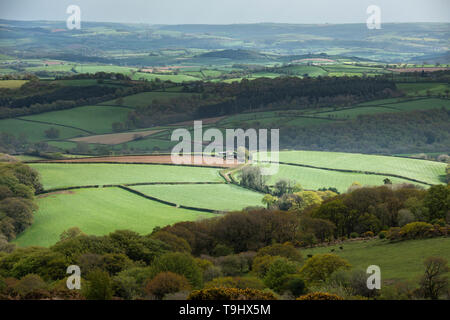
(167, 202)
(55, 124)
(118, 162)
(126, 185)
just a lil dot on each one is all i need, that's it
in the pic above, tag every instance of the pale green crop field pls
(313, 179)
(97, 119)
(99, 212)
(62, 175)
(428, 171)
(12, 84)
(221, 197)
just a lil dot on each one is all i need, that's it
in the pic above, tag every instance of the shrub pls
(382, 234)
(368, 234)
(28, 284)
(222, 250)
(320, 266)
(278, 272)
(235, 282)
(286, 250)
(166, 282)
(354, 235)
(233, 265)
(176, 243)
(320, 296)
(262, 264)
(180, 263)
(99, 286)
(294, 284)
(212, 273)
(230, 294)
(404, 217)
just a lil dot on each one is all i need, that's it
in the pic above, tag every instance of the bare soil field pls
(115, 138)
(158, 159)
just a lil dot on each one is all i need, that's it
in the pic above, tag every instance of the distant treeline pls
(37, 96)
(249, 95)
(416, 131)
(218, 99)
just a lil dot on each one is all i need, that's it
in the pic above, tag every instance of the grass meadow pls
(313, 179)
(96, 119)
(221, 197)
(99, 212)
(401, 260)
(62, 175)
(428, 171)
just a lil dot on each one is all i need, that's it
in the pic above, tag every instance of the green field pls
(401, 260)
(98, 212)
(96, 119)
(35, 131)
(223, 197)
(144, 99)
(313, 179)
(12, 84)
(149, 144)
(421, 88)
(428, 171)
(164, 77)
(387, 106)
(420, 104)
(351, 113)
(61, 175)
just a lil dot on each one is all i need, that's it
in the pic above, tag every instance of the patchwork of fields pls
(62, 175)
(426, 171)
(99, 211)
(313, 179)
(221, 197)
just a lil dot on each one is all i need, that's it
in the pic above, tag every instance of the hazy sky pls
(228, 11)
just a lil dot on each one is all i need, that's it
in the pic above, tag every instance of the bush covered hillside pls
(306, 245)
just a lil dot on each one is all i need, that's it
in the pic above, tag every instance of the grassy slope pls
(224, 197)
(102, 211)
(60, 175)
(35, 132)
(427, 171)
(314, 179)
(401, 260)
(97, 119)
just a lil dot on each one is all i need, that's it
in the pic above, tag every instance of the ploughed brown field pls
(115, 138)
(161, 159)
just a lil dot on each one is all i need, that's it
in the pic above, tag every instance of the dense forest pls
(415, 131)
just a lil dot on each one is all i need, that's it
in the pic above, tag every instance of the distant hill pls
(235, 54)
(433, 58)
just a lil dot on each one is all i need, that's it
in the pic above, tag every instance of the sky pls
(228, 11)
